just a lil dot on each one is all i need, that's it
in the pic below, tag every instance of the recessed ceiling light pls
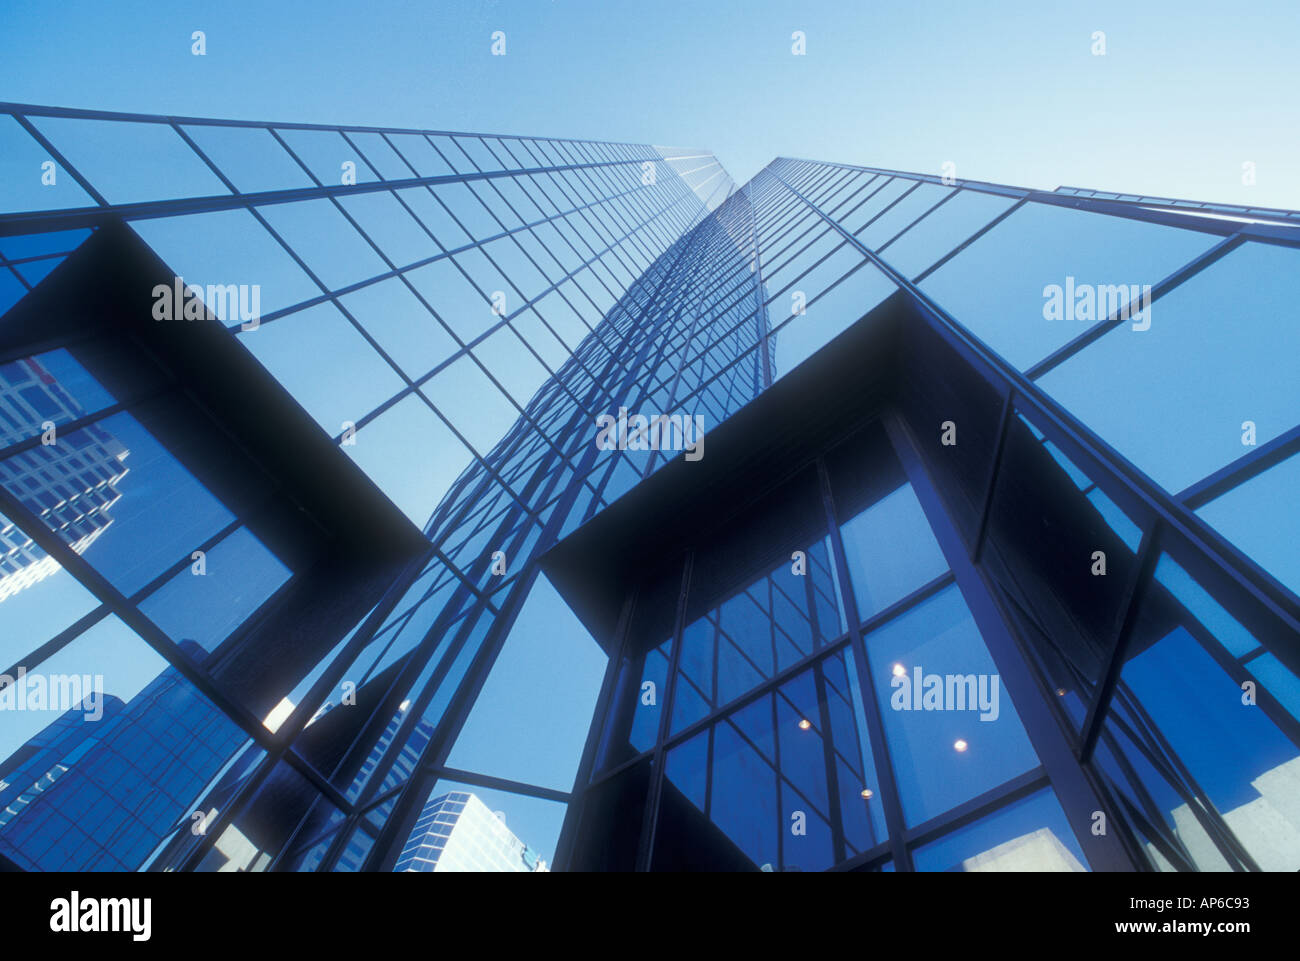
(867, 793)
(1060, 691)
(959, 745)
(804, 724)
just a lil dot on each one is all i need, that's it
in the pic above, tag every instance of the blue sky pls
(1009, 91)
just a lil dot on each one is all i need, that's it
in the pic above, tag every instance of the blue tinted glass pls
(1242, 762)
(131, 162)
(1260, 518)
(952, 729)
(38, 598)
(1031, 834)
(827, 316)
(411, 456)
(112, 773)
(1221, 327)
(399, 235)
(250, 157)
(891, 551)
(514, 730)
(745, 803)
(328, 156)
(217, 592)
(995, 287)
(228, 247)
(1226, 628)
(465, 396)
(508, 359)
(1279, 680)
(401, 325)
(12, 289)
(325, 241)
(346, 379)
(48, 388)
(121, 500)
(36, 245)
(942, 230)
(30, 179)
(901, 215)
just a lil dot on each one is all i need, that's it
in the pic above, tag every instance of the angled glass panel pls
(891, 551)
(325, 241)
(122, 500)
(1031, 834)
(901, 215)
(250, 157)
(953, 732)
(1000, 287)
(1231, 325)
(228, 247)
(834, 311)
(346, 379)
(530, 721)
(38, 598)
(1260, 518)
(401, 325)
(208, 600)
(30, 179)
(101, 775)
(942, 230)
(417, 151)
(1175, 682)
(411, 456)
(18, 246)
(330, 158)
(466, 312)
(398, 234)
(471, 403)
(507, 358)
(129, 162)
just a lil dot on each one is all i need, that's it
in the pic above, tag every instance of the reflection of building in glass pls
(1040, 850)
(70, 484)
(457, 832)
(100, 795)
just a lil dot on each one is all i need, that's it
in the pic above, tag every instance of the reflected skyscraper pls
(73, 485)
(999, 437)
(457, 832)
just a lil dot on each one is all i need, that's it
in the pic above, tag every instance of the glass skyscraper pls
(916, 523)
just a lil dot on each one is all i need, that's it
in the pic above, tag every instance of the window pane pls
(1260, 518)
(1231, 326)
(1031, 834)
(239, 574)
(105, 785)
(530, 721)
(995, 287)
(953, 732)
(891, 551)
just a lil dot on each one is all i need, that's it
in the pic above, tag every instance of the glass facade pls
(847, 519)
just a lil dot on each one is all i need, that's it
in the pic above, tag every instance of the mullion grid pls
(451, 719)
(53, 645)
(1060, 425)
(94, 616)
(1165, 511)
(412, 386)
(902, 839)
